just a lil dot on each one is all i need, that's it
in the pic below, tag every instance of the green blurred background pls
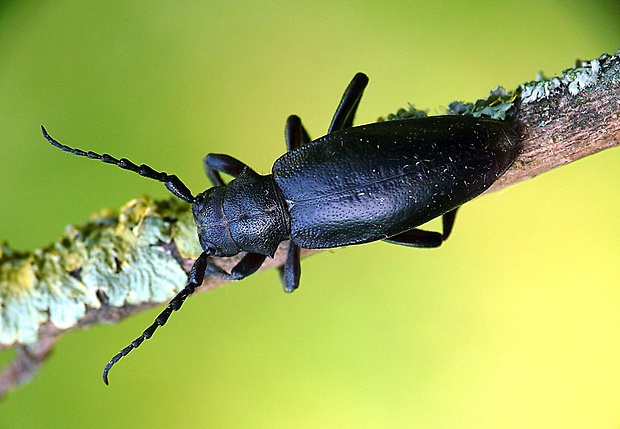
(515, 322)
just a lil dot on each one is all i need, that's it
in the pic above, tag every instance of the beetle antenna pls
(196, 275)
(172, 182)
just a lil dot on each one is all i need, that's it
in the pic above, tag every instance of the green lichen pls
(404, 113)
(495, 105)
(583, 75)
(120, 255)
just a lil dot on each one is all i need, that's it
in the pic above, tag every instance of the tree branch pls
(121, 263)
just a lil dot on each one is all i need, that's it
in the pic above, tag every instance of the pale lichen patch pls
(185, 236)
(120, 254)
(19, 315)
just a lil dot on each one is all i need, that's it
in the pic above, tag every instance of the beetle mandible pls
(351, 186)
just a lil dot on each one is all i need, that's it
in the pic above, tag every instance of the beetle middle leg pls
(427, 239)
(297, 136)
(290, 273)
(295, 133)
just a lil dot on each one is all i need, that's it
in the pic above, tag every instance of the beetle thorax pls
(246, 215)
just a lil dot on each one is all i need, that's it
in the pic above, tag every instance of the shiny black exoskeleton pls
(353, 185)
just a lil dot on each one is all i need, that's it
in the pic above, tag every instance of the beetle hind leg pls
(425, 239)
(448, 222)
(417, 238)
(345, 113)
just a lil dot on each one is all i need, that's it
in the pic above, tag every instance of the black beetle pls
(353, 185)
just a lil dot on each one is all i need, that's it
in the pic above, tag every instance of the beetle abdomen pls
(374, 181)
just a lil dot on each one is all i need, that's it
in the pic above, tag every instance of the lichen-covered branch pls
(120, 263)
(561, 120)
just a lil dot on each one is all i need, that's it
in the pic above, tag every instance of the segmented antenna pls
(172, 182)
(197, 272)
(196, 276)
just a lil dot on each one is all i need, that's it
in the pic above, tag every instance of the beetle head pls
(213, 231)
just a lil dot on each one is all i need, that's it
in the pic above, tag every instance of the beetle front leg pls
(215, 162)
(427, 239)
(248, 265)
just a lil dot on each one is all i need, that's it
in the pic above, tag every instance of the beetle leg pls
(248, 265)
(343, 118)
(214, 163)
(421, 238)
(448, 223)
(417, 238)
(290, 272)
(295, 133)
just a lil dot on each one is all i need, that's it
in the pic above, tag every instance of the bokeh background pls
(515, 322)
